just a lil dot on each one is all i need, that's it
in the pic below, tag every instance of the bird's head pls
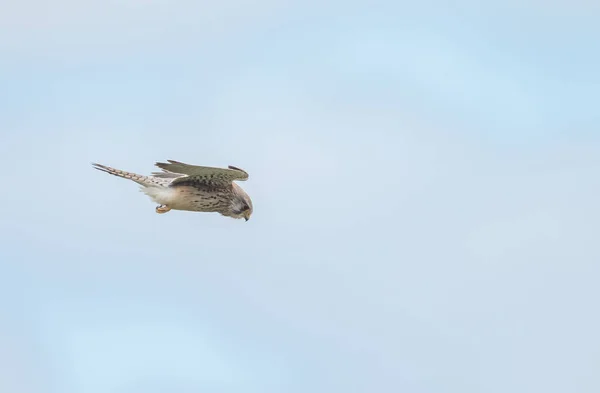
(241, 204)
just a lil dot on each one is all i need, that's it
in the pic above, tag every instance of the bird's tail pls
(146, 181)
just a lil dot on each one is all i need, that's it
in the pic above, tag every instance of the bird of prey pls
(193, 188)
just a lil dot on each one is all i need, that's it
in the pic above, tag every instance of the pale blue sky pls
(424, 176)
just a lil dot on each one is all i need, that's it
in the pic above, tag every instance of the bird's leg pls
(160, 209)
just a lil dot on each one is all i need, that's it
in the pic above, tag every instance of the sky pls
(424, 179)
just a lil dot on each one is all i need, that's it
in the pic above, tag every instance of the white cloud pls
(389, 249)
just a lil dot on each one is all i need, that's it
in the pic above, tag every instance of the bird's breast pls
(198, 199)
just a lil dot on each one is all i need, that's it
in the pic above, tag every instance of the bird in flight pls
(192, 188)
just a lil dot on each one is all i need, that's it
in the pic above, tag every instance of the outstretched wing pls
(193, 173)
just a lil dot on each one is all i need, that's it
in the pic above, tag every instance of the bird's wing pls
(209, 175)
(167, 175)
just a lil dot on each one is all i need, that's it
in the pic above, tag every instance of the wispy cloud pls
(420, 223)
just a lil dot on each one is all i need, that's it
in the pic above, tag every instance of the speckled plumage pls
(193, 188)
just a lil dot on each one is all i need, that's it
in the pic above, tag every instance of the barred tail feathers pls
(145, 181)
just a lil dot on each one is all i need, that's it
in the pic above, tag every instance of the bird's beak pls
(246, 218)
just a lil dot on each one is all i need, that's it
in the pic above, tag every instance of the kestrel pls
(193, 188)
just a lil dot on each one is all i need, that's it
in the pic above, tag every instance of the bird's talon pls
(162, 209)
